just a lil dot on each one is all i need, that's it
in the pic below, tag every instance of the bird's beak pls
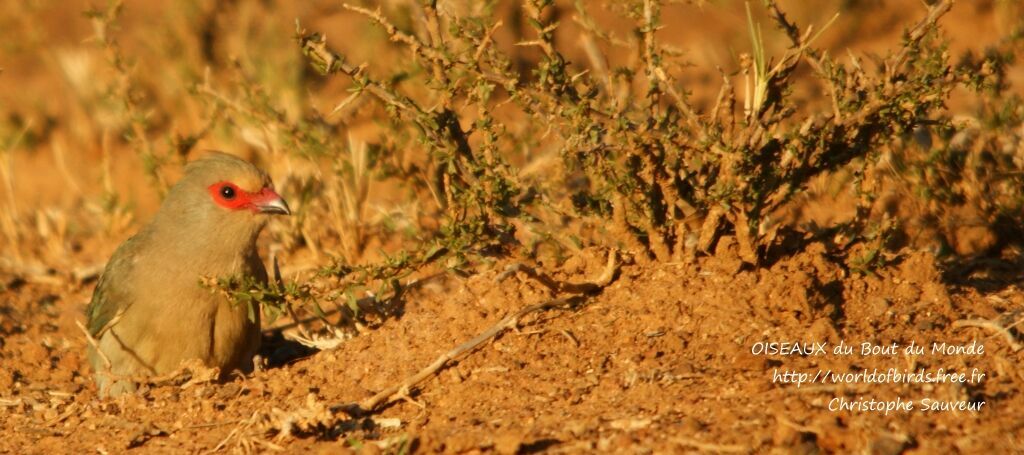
(271, 203)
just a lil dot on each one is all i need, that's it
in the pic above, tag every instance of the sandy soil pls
(668, 358)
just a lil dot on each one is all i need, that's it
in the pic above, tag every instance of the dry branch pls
(560, 286)
(427, 52)
(314, 46)
(95, 345)
(508, 322)
(993, 326)
(918, 32)
(710, 447)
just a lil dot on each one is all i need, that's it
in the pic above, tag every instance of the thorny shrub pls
(519, 147)
(636, 157)
(638, 163)
(965, 172)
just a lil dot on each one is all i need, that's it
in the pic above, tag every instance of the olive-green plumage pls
(149, 311)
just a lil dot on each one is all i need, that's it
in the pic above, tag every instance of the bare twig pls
(508, 322)
(485, 43)
(915, 34)
(248, 423)
(94, 344)
(710, 447)
(993, 326)
(419, 47)
(559, 286)
(402, 389)
(287, 304)
(314, 46)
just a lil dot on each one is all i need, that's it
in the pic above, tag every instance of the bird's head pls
(233, 186)
(223, 196)
(247, 191)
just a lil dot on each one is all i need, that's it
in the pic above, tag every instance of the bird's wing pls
(113, 292)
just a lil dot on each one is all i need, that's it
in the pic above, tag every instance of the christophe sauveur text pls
(892, 375)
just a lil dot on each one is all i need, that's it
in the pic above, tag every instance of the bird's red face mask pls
(266, 200)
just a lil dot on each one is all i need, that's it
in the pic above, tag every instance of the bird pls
(150, 311)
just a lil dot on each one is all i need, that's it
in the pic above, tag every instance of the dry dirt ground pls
(666, 359)
(663, 359)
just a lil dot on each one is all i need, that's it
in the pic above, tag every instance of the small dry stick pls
(798, 427)
(94, 344)
(417, 46)
(709, 447)
(919, 31)
(559, 286)
(243, 426)
(71, 409)
(506, 323)
(993, 326)
(485, 43)
(410, 382)
(288, 305)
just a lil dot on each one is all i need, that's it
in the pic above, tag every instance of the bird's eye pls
(227, 192)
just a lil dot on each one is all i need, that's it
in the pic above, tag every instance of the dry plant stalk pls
(992, 326)
(135, 112)
(9, 219)
(403, 388)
